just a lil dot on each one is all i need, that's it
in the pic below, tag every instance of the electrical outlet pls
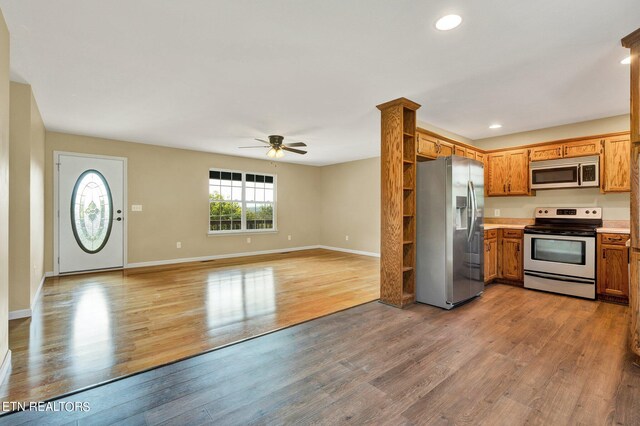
(248, 240)
(346, 238)
(178, 244)
(136, 207)
(289, 237)
(496, 212)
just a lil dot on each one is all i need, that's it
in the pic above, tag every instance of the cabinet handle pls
(509, 187)
(517, 247)
(565, 150)
(604, 254)
(504, 188)
(559, 151)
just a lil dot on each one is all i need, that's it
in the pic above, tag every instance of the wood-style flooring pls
(94, 327)
(511, 357)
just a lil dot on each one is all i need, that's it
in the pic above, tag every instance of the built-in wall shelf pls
(398, 204)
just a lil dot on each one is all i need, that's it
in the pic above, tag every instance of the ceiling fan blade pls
(263, 147)
(263, 141)
(297, 151)
(296, 144)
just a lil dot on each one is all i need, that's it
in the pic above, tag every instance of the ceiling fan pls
(277, 147)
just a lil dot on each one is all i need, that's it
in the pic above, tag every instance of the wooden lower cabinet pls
(613, 267)
(511, 258)
(490, 255)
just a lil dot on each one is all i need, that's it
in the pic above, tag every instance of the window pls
(240, 201)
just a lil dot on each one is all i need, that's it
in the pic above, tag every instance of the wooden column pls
(398, 221)
(632, 41)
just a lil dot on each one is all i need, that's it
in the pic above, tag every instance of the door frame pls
(55, 213)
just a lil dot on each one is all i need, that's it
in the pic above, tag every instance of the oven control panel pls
(569, 212)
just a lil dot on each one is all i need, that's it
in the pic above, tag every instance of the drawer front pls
(512, 233)
(490, 233)
(617, 239)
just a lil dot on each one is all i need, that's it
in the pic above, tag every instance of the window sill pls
(228, 233)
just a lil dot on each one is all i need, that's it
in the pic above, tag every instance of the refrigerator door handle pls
(472, 210)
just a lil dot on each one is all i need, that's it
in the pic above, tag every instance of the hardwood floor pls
(514, 356)
(95, 327)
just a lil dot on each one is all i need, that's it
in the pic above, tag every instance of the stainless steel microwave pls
(576, 172)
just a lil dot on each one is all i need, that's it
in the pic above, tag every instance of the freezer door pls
(459, 287)
(476, 243)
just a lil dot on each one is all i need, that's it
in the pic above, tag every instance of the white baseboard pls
(4, 368)
(360, 252)
(49, 274)
(217, 256)
(232, 255)
(21, 313)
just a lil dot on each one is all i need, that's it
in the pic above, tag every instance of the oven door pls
(565, 255)
(558, 176)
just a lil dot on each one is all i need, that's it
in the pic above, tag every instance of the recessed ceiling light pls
(448, 22)
(495, 126)
(626, 61)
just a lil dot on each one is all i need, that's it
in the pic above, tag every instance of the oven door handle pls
(558, 278)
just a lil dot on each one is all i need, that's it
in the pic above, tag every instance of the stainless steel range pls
(560, 250)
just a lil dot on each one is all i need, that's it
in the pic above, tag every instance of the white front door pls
(91, 213)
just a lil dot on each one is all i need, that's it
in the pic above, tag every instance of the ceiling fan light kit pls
(277, 147)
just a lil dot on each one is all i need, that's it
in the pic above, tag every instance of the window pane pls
(268, 195)
(225, 216)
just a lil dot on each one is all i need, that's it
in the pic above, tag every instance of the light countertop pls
(488, 226)
(605, 230)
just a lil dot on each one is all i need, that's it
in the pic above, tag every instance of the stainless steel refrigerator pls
(449, 233)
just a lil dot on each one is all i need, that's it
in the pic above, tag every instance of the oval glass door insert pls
(91, 211)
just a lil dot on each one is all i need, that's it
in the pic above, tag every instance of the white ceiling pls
(212, 75)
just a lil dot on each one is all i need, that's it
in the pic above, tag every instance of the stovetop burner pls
(579, 221)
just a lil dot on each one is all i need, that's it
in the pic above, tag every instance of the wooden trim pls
(528, 146)
(631, 40)
(400, 101)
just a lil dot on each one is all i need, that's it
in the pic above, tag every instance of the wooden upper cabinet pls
(432, 147)
(427, 145)
(518, 172)
(617, 168)
(546, 152)
(508, 173)
(480, 156)
(446, 149)
(459, 151)
(497, 174)
(470, 154)
(582, 148)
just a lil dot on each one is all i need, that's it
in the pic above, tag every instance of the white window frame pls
(243, 220)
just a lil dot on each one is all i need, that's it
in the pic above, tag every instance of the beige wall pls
(4, 188)
(172, 186)
(445, 133)
(351, 205)
(615, 206)
(36, 183)
(618, 123)
(26, 213)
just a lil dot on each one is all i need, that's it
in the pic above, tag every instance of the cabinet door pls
(512, 259)
(460, 151)
(497, 174)
(427, 146)
(613, 276)
(490, 259)
(480, 156)
(582, 148)
(518, 167)
(547, 152)
(617, 169)
(445, 149)
(470, 154)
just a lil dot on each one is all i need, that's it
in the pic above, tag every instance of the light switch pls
(136, 207)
